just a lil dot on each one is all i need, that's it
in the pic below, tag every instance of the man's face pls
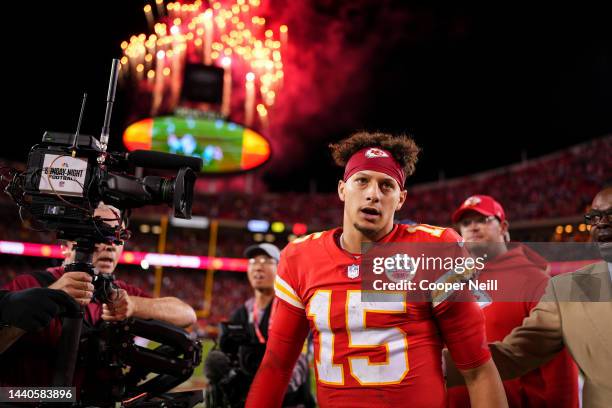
(479, 230)
(262, 272)
(105, 257)
(601, 231)
(371, 199)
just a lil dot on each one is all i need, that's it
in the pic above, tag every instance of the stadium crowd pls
(558, 185)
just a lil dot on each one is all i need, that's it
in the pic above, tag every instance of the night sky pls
(477, 87)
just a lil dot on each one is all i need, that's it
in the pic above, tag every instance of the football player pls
(383, 353)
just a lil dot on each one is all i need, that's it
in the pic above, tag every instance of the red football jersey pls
(388, 352)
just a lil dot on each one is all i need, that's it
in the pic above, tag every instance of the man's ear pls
(505, 230)
(66, 248)
(402, 200)
(341, 187)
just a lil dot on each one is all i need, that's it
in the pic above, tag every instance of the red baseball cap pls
(483, 204)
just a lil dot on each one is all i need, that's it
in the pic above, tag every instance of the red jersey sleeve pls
(463, 331)
(462, 323)
(450, 235)
(286, 285)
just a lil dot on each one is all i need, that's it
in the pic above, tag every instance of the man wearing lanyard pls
(258, 312)
(261, 272)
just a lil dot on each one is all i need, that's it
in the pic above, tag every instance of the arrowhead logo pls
(375, 152)
(472, 201)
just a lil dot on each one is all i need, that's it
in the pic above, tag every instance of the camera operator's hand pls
(76, 284)
(33, 309)
(121, 307)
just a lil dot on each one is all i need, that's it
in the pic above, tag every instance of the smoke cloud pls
(334, 47)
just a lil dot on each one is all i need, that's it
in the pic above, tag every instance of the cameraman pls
(257, 312)
(31, 357)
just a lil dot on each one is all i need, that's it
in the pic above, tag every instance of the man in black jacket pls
(263, 260)
(257, 313)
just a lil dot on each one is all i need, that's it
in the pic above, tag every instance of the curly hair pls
(403, 149)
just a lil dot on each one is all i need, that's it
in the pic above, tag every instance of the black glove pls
(33, 309)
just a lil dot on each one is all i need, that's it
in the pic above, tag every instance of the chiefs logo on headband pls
(374, 152)
(375, 159)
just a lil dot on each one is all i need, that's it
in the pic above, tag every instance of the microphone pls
(217, 365)
(161, 160)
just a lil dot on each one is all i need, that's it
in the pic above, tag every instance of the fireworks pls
(229, 34)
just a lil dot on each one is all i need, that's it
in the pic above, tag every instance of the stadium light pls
(277, 227)
(258, 226)
(132, 257)
(191, 261)
(196, 222)
(299, 229)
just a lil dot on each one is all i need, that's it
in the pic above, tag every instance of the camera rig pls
(113, 357)
(66, 177)
(69, 175)
(231, 369)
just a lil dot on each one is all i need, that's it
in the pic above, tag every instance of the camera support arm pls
(173, 361)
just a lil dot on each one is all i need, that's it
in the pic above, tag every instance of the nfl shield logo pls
(482, 298)
(352, 271)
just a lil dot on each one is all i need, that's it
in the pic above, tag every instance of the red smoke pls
(333, 48)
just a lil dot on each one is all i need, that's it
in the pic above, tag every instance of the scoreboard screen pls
(224, 147)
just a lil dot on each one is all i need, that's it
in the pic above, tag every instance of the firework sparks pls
(228, 34)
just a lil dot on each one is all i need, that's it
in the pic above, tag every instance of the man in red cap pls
(485, 223)
(385, 353)
(522, 276)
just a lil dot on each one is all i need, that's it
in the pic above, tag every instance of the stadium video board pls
(224, 147)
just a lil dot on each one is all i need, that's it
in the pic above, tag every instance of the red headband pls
(376, 159)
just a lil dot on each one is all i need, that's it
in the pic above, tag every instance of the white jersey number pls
(393, 370)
